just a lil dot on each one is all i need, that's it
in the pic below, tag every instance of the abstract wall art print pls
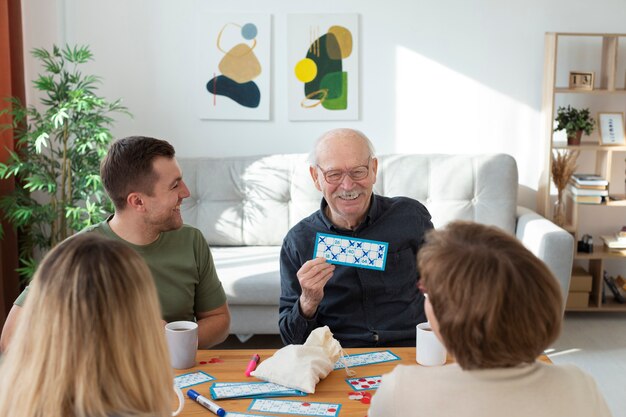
(323, 62)
(233, 66)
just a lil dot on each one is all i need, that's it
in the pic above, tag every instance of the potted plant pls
(575, 122)
(59, 145)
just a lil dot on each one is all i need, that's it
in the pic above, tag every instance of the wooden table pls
(230, 365)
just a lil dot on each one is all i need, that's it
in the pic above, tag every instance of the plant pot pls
(573, 138)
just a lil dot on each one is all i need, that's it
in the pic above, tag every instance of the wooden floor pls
(595, 342)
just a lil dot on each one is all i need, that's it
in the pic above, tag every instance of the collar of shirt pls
(372, 214)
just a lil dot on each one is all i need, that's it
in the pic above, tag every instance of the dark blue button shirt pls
(362, 307)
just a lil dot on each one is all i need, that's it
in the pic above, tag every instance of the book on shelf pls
(589, 179)
(587, 199)
(587, 187)
(613, 243)
(621, 235)
(581, 191)
(621, 239)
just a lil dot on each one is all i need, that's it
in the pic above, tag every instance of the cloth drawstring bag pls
(302, 366)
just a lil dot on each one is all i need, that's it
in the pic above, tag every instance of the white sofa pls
(244, 206)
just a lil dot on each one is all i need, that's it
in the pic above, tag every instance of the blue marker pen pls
(203, 401)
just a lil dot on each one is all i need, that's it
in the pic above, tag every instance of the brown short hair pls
(496, 303)
(127, 166)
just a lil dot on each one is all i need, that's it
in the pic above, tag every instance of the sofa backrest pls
(255, 200)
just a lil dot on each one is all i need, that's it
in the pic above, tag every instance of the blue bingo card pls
(342, 250)
(222, 390)
(191, 379)
(302, 408)
(368, 358)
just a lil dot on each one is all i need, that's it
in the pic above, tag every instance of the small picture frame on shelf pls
(581, 80)
(611, 126)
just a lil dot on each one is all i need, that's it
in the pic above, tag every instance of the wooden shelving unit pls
(596, 260)
(605, 87)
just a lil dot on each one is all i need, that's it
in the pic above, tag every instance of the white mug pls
(182, 341)
(429, 351)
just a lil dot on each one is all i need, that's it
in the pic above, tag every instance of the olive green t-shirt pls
(182, 268)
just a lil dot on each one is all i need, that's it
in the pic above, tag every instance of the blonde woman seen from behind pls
(90, 342)
(496, 307)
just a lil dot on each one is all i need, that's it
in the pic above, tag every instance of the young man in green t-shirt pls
(144, 181)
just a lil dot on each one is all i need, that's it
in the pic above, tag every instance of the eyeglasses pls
(335, 176)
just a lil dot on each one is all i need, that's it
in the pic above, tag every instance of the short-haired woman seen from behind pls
(496, 307)
(90, 342)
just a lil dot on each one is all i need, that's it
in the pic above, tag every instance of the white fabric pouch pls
(302, 366)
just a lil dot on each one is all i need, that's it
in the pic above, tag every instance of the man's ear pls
(374, 168)
(315, 176)
(135, 202)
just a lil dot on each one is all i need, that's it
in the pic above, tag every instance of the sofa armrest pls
(548, 242)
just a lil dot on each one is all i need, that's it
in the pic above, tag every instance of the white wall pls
(448, 76)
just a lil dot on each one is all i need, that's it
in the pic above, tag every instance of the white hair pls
(336, 132)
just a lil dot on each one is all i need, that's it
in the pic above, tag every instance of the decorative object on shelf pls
(574, 122)
(585, 245)
(60, 143)
(580, 287)
(611, 127)
(581, 80)
(563, 166)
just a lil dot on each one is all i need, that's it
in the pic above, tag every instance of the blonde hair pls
(497, 304)
(89, 342)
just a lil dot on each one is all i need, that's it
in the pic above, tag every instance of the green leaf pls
(42, 140)
(38, 183)
(59, 118)
(27, 268)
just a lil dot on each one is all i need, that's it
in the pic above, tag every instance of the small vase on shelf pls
(558, 214)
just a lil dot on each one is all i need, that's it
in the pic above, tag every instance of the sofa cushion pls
(249, 274)
(480, 188)
(243, 201)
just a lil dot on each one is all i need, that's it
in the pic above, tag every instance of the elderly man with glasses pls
(363, 307)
